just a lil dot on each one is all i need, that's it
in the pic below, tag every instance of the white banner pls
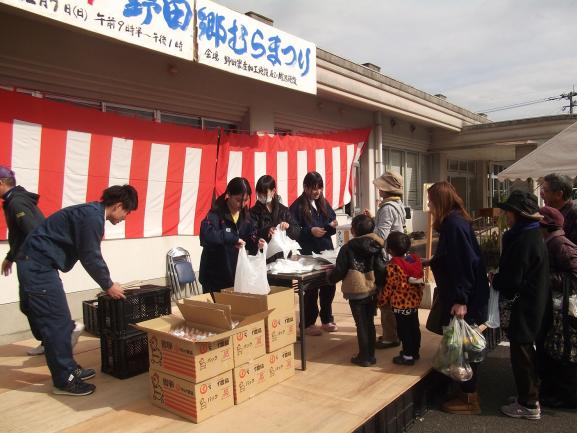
(161, 25)
(239, 44)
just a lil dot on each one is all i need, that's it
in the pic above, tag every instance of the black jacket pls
(459, 270)
(265, 220)
(524, 272)
(360, 266)
(71, 234)
(307, 241)
(218, 235)
(22, 216)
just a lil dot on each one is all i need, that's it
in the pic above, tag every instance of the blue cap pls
(5, 172)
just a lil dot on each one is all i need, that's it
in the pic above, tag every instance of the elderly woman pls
(558, 371)
(390, 218)
(523, 278)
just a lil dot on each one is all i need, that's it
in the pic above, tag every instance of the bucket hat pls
(522, 203)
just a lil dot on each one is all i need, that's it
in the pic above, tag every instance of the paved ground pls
(496, 384)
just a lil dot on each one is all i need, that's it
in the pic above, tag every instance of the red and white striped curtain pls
(69, 155)
(289, 158)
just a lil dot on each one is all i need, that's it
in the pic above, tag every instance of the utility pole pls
(569, 96)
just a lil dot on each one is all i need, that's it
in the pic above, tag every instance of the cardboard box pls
(194, 401)
(280, 324)
(281, 364)
(189, 360)
(248, 342)
(251, 379)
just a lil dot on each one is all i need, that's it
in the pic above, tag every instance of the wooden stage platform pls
(331, 396)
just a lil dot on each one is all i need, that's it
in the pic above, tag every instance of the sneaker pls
(75, 387)
(313, 331)
(330, 327)
(38, 350)
(382, 344)
(415, 357)
(516, 410)
(84, 373)
(363, 363)
(78, 329)
(403, 360)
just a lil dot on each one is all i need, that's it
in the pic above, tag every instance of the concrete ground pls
(495, 385)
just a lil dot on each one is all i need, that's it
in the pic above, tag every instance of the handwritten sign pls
(241, 45)
(161, 25)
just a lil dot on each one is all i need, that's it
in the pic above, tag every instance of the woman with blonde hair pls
(460, 274)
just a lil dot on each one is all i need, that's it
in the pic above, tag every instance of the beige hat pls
(390, 182)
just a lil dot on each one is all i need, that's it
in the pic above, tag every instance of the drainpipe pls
(378, 151)
(379, 143)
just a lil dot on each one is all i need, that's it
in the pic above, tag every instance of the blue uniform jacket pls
(307, 241)
(69, 235)
(218, 235)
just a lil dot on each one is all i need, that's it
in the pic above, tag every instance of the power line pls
(524, 104)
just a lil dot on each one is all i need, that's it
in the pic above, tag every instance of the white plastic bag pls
(493, 320)
(280, 242)
(450, 358)
(250, 275)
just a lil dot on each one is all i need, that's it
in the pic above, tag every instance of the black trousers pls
(409, 331)
(364, 312)
(558, 380)
(523, 362)
(325, 296)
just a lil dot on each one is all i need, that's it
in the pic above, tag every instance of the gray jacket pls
(390, 218)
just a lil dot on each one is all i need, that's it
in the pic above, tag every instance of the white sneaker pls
(38, 350)
(78, 329)
(313, 331)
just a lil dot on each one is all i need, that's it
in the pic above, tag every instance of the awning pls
(557, 155)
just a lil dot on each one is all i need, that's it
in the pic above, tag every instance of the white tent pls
(557, 155)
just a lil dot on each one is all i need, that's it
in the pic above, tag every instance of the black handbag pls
(505, 308)
(435, 319)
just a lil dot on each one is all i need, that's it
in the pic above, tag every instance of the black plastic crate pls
(90, 314)
(124, 356)
(144, 303)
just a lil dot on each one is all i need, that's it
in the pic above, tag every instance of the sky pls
(480, 54)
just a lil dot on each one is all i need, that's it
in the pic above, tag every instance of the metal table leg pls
(302, 324)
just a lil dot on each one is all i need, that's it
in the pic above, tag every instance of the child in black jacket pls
(361, 268)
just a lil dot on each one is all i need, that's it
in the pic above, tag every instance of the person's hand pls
(367, 213)
(271, 231)
(6, 267)
(318, 232)
(261, 244)
(116, 291)
(459, 310)
(334, 224)
(490, 277)
(284, 225)
(240, 244)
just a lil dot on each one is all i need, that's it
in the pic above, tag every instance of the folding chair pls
(180, 274)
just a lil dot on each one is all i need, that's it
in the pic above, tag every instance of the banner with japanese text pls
(242, 45)
(70, 154)
(289, 158)
(161, 25)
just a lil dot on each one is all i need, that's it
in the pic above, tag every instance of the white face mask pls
(264, 199)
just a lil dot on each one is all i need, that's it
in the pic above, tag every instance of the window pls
(356, 182)
(409, 165)
(125, 110)
(180, 119)
(213, 124)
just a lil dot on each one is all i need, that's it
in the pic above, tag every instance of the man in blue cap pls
(70, 235)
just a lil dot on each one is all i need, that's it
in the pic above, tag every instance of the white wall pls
(128, 260)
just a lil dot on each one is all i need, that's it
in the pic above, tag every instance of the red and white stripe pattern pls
(69, 155)
(289, 158)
